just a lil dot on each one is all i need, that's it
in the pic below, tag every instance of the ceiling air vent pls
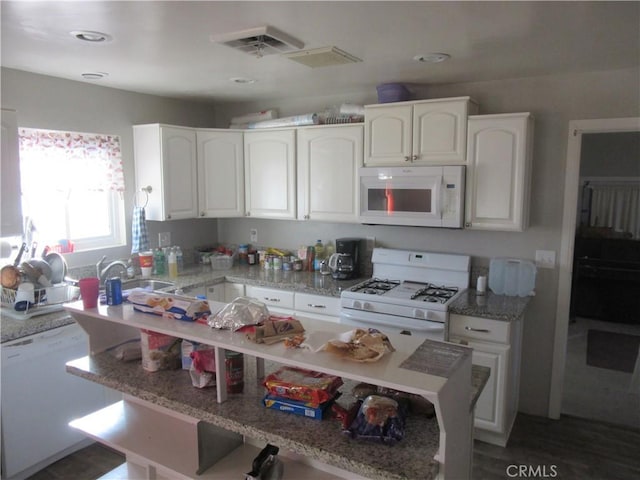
(322, 57)
(259, 41)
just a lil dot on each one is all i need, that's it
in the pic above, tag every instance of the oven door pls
(393, 324)
(416, 196)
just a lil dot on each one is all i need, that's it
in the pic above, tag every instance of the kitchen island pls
(440, 447)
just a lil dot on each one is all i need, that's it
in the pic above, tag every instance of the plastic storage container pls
(392, 92)
(512, 277)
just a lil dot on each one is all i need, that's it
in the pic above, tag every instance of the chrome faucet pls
(103, 273)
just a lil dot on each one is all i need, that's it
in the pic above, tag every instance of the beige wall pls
(46, 102)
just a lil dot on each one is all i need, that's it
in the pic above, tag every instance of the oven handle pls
(354, 319)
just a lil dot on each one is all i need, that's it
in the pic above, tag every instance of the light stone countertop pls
(498, 307)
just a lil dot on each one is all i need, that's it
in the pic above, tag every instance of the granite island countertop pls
(489, 305)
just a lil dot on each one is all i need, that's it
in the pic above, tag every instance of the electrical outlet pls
(253, 235)
(546, 258)
(164, 239)
(371, 243)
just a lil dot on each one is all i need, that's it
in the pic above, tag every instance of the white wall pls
(52, 103)
(554, 101)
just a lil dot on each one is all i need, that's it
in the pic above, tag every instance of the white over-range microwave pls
(421, 196)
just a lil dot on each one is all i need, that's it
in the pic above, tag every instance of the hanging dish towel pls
(139, 234)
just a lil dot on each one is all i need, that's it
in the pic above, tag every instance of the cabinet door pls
(498, 172)
(277, 301)
(328, 162)
(215, 292)
(11, 202)
(165, 160)
(490, 408)
(270, 174)
(440, 132)
(307, 305)
(179, 173)
(387, 134)
(220, 173)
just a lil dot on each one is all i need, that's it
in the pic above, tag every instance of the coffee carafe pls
(341, 266)
(346, 262)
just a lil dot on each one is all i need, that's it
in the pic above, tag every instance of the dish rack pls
(8, 296)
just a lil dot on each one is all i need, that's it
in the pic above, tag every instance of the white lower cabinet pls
(277, 301)
(497, 345)
(284, 302)
(318, 307)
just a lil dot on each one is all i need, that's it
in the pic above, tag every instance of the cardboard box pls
(308, 410)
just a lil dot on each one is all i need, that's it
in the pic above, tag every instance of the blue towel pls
(139, 234)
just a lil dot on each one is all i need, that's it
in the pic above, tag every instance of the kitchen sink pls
(146, 284)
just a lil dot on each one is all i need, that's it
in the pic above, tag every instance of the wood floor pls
(566, 449)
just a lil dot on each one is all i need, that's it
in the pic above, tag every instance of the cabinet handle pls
(271, 299)
(414, 158)
(480, 330)
(202, 214)
(248, 214)
(468, 224)
(168, 217)
(306, 217)
(407, 159)
(316, 306)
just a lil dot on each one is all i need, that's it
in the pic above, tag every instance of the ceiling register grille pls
(259, 41)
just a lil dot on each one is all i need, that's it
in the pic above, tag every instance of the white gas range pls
(410, 292)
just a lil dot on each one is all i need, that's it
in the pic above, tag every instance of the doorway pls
(585, 380)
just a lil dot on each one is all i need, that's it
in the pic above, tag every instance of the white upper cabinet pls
(427, 132)
(499, 172)
(165, 160)
(220, 173)
(328, 162)
(11, 201)
(270, 173)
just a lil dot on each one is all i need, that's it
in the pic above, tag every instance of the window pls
(72, 188)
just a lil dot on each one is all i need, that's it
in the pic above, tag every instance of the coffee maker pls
(345, 264)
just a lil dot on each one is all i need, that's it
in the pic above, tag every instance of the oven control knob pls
(417, 313)
(357, 304)
(367, 306)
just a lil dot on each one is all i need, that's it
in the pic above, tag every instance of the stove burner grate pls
(376, 286)
(434, 294)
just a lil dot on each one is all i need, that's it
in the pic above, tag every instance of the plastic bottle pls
(179, 259)
(173, 264)
(158, 262)
(319, 255)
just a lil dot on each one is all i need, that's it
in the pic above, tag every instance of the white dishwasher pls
(39, 399)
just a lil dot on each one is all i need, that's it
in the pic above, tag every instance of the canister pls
(234, 363)
(113, 291)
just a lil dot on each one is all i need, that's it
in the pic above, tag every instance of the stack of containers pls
(301, 392)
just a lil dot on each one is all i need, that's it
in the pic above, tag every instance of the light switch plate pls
(545, 259)
(253, 235)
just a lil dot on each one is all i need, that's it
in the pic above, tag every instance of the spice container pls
(243, 254)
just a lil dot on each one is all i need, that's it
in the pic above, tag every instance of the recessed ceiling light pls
(94, 75)
(242, 80)
(89, 36)
(432, 57)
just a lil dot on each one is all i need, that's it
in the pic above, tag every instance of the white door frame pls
(571, 185)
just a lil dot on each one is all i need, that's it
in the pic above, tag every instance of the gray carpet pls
(615, 351)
